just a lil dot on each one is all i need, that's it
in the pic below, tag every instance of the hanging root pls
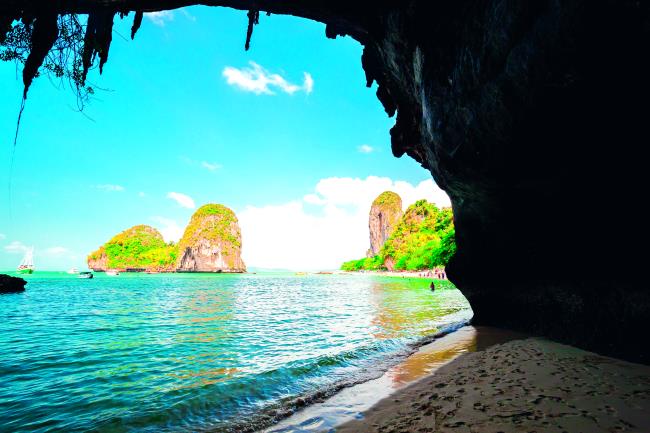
(253, 19)
(137, 22)
(44, 35)
(97, 41)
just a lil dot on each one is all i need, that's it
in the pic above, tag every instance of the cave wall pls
(533, 116)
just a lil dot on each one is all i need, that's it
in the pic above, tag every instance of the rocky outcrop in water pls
(140, 247)
(97, 260)
(385, 212)
(9, 284)
(211, 242)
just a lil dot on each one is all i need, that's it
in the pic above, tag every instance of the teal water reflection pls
(183, 352)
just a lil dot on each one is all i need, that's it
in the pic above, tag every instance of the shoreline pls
(394, 274)
(529, 384)
(351, 402)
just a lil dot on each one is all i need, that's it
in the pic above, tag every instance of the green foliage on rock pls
(367, 263)
(213, 222)
(215, 225)
(388, 199)
(140, 246)
(423, 239)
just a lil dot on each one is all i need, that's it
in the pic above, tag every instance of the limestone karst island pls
(422, 238)
(324, 216)
(211, 243)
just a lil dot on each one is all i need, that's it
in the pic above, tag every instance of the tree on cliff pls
(422, 239)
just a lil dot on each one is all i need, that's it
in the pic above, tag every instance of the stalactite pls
(44, 35)
(386, 100)
(253, 19)
(332, 31)
(97, 41)
(368, 63)
(137, 22)
(89, 44)
(104, 38)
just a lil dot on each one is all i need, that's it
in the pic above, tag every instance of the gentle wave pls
(203, 353)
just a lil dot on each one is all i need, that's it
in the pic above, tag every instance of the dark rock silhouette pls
(9, 284)
(531, 115)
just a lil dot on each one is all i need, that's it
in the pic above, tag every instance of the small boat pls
(85, 275)
(151, 272)
(112, 273)
(73, 271)
(27, 264)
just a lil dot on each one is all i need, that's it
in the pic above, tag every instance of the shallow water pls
(188, 352)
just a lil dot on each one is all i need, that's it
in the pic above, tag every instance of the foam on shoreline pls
(350, 402)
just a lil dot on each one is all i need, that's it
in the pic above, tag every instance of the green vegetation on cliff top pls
(422, 239)
(140, 246)
(388, 199)
(213, 222)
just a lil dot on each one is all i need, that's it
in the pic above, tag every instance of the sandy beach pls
(396, 274)
(529, 385)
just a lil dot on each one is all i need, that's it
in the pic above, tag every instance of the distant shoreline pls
(394, 274)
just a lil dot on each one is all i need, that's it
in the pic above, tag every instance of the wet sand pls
(350, 403)
(529, 385)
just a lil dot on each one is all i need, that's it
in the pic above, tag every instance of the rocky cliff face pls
(97, 260)
(385, 212)
(408, 225)
(139, 247)
(211, 242)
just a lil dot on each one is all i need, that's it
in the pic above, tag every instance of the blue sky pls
(285, 134)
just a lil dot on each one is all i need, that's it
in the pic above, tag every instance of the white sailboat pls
(27, 264)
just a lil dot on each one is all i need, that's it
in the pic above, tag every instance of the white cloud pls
(308, 83)
(168, 228)
(293, 236)
(110, 187)
(160, 18)
(3, 236)
(142, 194)
(182, 199)
(365, 148)
(347, 191)
(15, 247)
(210, 165)
(56, 251)
(258, 80)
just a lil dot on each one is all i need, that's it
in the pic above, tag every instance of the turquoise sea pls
(202, 352)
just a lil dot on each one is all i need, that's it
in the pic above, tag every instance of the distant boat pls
(73, 271)
(151, 272)
(27, 264)
(85, 275)
(112, 273)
